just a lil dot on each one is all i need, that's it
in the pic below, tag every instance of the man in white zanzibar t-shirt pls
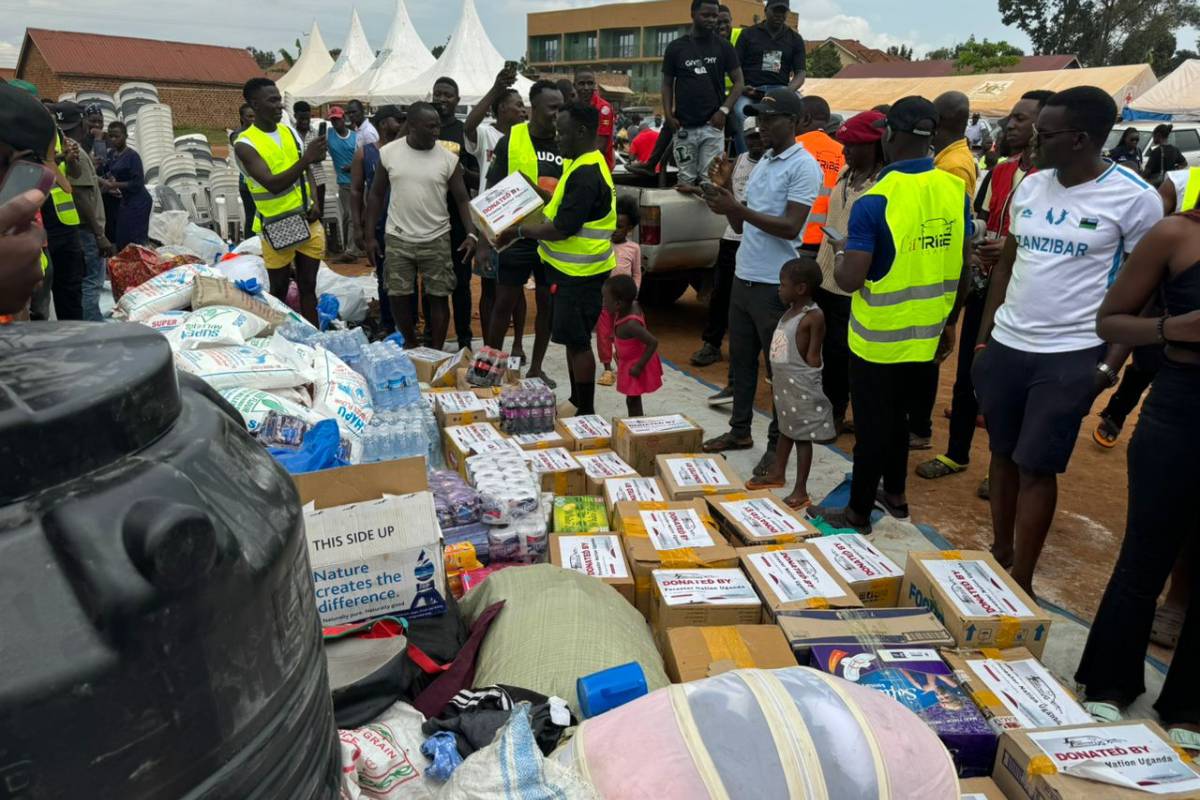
(1038, 370)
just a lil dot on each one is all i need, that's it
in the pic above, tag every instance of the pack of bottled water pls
(391, 375)
(406, 432)
(348, 345)
(527, 409)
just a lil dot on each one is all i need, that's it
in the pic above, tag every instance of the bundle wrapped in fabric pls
(762, 734)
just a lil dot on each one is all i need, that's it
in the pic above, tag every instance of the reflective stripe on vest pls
(522, 157)
(590, 250)
(279, 157)
(45, 262)
(900, 317)
(64, 204)
(1191, 192)
(828, 153)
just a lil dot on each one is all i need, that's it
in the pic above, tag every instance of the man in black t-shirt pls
(521, 258)
(772, 56)
(453, 138)
(1163, 156)
(693, 93)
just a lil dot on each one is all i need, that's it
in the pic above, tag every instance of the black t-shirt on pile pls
(770, 60)
(586, 198)
(550, 167)
(699, 67)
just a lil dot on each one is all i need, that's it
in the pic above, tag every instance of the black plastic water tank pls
(158, 635)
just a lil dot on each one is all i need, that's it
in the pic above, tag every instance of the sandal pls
(1168, 622)
(757, 482)
(888, 507)
(939, 467)
(797, 505)
(727, 441)
(1184, 738)
(1103, 712)
(1106, 433)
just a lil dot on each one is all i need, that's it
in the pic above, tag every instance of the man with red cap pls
(862, 150)
(342, 144)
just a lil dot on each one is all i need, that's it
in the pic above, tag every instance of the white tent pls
(310, 67)
(470, 59)
(355, 59)
(1176, 97)
(403, 56)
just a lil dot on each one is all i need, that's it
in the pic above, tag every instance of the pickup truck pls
(678, 234)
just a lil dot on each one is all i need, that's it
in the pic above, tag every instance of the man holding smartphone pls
(26, 137)
(86, 193)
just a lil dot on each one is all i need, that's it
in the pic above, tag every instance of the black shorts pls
(517, 263)
(1034, 403)
(577, 303)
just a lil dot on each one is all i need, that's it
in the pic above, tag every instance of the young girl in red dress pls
(639, 369)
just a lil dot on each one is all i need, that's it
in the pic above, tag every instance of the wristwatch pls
(1108, 373)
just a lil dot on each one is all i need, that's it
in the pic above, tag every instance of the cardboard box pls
(790, 577)
(691, 475)
(597, 555)
(702, 597)
(580, 515)
(1098, 762)
(885, 627)
(374, 545)
(757, 518)
(632, 490)
(1014, 690)
(540, 441)
(692, 653)
(427, 360)
(906, 675)
(446, 374)
(504, 205)
(558, 471)
(669, 536)
(589, 432)
(463, 441)
(979, 789)
(874, 577)
(976, 599)
(599, 466)
(638, 440)
(459, 408)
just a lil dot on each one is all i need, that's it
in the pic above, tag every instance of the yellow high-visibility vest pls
(280, 157)
(590, 250)
(522, 157)
(64, 204)
(734, 35)
(900, 317)
(1191, 192)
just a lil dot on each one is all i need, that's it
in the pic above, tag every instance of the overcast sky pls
(277, 23)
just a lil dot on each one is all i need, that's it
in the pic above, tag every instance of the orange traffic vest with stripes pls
(828, 153)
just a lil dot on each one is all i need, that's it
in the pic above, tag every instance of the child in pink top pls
(639, 369)
(629, 262)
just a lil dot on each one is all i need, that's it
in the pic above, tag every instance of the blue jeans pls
(739, 118)
(93, 276)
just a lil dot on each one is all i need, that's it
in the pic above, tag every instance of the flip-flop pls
(1182, 737)
(754, 484)
(798, 506)
(1106, 434)
(1103, 712)
(939, 467)
(899, 512)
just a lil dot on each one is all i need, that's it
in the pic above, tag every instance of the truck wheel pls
(662, 291)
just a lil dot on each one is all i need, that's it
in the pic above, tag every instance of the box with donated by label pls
(756, 518)
(874, 577)
(510, 202)
(792, 578)
(976, 599)
(597, 555)
(638, 440)
(702, 597)
(691, 475)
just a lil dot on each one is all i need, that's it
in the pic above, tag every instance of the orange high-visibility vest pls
(828, 153)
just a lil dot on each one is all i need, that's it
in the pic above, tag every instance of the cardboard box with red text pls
(690, 475)
(874, 577)
(702, 597)
(791, 577)
(638, 440)
(588, 432)
(758, 518)
(598, 555)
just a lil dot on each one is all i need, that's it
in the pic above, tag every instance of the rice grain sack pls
(231, 367)
(170, 291)
(166, 321)
(341, 393)
(211, 291)
(217, 326)
(255, 404)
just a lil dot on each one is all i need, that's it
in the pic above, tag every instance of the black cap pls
(68, 115)
(25, 124)
(913, 114)
(777, 101)
(779, 3)
(389, 111)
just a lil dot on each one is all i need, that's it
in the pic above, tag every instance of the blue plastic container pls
(607, 689)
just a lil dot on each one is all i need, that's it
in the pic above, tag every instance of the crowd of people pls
(859, 255)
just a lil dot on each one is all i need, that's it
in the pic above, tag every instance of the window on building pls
(545, 48)
(581, 46)
(625, 44)
(663, 37)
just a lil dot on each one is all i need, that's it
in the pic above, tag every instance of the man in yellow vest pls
(531, 149)
(828, 152)
(276, 164)
(575, 242)
(26, 134)
(903, 262)
(1180, 190)
(67, 262)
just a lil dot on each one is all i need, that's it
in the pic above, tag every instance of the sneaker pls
(722, 398)
(765, 464)
(706, 356)
(607, 378)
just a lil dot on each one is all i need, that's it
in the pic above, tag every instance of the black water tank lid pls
(76, 396)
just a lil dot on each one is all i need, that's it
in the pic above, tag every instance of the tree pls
(1098, 31)
(286, 56)
(264, 58)
(941, 54)
(824, 62)
(903, 51)
(441, 48)
(335, 52)
(985, 56)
